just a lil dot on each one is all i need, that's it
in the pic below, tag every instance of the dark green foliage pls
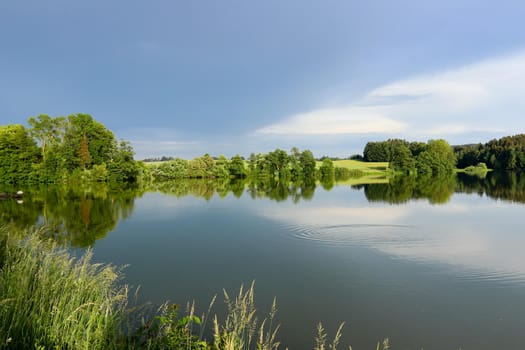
(307, 162)
(326, 170)
(74, 149)
(222, 168)
(376, 152)
(401, 158)
(357, 157)
(122, 167)
(47, 131)
(417, 147)
(401, 189)
(86, 142)
(327, 174)
(507, 153)
(236, 167)
(169, 331)
(18, 154)
(435, 157)
(504, 185)
(399, 153)
(438, 158)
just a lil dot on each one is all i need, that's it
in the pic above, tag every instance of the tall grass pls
(241, 329)
(50, 300)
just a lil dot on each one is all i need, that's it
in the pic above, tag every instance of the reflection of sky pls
(478, 237)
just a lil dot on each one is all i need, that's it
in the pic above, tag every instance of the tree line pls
(435, 157)
(506, 153)
(64, 149)
(77, 147)
(274, 167)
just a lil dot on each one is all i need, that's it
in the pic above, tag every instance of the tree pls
(82, 129)
(122, 167)
(376, 152)
(295, 164)
(18, 152)
(236, 167)
(47, 130)
(401, 158)
(278, 161)
(83, 153)
(438, 158)
(307, 162)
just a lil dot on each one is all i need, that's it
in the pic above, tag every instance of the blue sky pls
(184, 78)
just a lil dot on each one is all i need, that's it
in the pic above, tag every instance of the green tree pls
(83, 153)
(307, 162)
(401, 158)
(236, 167)
(122, 167)
(48, 131)
(81, 129)
(278, 162)
(326, 170)
(376, 152)
(438, 158)
(18, 154)
(222, 166)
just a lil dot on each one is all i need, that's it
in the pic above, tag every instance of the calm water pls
(438, 265)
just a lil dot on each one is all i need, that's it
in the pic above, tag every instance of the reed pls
(50, 300)
(241, 329)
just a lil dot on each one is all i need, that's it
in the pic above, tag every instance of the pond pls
(428, 263)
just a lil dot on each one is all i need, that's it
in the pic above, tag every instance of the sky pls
(183, 78)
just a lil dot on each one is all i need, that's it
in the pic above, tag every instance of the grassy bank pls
(49, 300)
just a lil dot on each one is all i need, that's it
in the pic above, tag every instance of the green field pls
(369, 168)
(154, 163)
(366, 167)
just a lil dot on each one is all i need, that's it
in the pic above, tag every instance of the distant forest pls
(79, 148)
(436, 156)
(507, 153)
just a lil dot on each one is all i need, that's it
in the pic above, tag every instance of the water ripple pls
(408, 243)
(354, 234)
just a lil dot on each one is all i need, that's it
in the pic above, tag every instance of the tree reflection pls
(436, 189)
(509, 186)
(75, 216)
(78, 216)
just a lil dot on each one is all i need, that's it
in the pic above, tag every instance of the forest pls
(60, 149)
(79, 148)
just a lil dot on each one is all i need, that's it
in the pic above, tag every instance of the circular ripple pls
(352, 234)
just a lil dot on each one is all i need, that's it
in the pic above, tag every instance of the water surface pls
(438, 268)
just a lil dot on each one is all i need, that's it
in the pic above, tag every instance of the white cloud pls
(337, 215)
(350, 120)
(484, 97)
(156, 142)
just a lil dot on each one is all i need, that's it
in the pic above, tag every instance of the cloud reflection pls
(469, 239)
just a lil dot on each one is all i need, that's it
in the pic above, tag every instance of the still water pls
(436, 265)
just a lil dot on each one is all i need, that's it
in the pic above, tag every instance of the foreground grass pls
(49, 300)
